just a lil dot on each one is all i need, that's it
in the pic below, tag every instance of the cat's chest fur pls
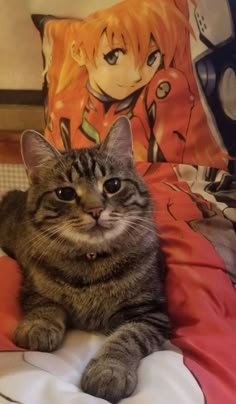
(89, 307)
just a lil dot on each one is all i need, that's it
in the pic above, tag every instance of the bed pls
(183, 120)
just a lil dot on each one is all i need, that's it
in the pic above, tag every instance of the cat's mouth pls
(98, 227)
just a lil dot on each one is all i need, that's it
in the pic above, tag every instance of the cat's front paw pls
(38, 335)
(109, 379)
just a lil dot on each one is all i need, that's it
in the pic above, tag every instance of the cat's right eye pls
(112, 185)
(66, 194)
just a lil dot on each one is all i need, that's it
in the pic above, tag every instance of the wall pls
(21, 62)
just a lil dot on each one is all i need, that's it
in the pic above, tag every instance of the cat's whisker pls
(38, 245)
(127, 230)
(134, 218)
(42, 234)
(51, 247)
(135, 225)
(134, 212)
(141, 219)
(138, 218)
(150, 230)
(130, 230)
(44, 237)
(30, 242)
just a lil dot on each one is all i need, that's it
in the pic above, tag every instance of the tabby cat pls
(86, 242)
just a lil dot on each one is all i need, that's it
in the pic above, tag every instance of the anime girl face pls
(115, 72)
(121, 48)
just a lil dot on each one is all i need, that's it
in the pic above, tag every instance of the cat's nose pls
(95, 212)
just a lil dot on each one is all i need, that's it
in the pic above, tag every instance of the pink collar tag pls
(91, 256)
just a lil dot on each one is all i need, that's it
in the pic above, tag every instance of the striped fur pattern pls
(86, 242)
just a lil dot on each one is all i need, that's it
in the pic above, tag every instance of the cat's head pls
(91, 197)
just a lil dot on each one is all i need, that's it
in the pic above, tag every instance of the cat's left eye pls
(112, 186)
(66, 194)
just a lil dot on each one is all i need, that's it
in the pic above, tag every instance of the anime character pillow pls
(138, 62)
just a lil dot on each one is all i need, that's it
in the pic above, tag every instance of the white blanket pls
(42, 378)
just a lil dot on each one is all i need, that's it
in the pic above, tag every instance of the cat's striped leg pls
(112, 374)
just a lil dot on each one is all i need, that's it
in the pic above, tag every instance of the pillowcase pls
(165, 65)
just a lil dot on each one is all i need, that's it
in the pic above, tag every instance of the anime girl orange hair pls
(131, 23)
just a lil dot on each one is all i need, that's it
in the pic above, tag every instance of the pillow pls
(165, 65)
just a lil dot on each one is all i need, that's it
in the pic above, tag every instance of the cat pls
(87, 245)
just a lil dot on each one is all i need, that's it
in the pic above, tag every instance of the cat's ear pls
(36, 151)
(118, 142)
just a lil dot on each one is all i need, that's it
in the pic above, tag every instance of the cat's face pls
(89, 197)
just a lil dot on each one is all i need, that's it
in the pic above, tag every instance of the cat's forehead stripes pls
(86, 164)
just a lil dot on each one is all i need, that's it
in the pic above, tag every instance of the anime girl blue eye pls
(112, 57)
(152, 57)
